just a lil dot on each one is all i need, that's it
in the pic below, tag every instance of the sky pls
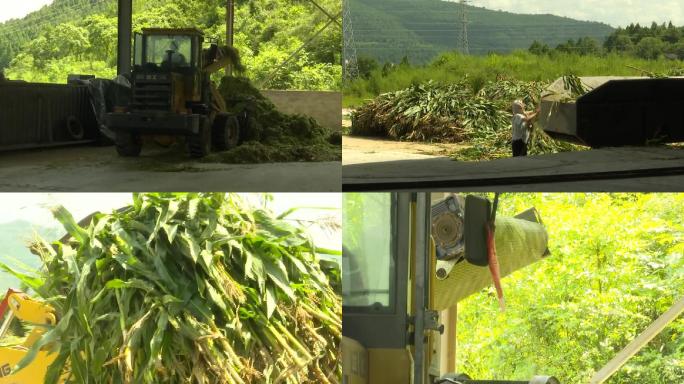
(13, 9)
(612, 12)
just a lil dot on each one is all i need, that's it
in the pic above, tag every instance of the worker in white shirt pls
(522, 127)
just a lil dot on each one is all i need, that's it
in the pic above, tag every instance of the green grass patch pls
(452, 67)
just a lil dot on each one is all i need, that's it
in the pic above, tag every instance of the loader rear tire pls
(226, 132)
(199, 145)
(128, 144)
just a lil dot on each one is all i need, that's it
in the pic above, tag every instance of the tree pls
(671, 35)
(583, 46)
(650, 48)
(366, 66)
(102, 34)
(538, 48)
(588, 46)
(64, 40)
(568, 47)
(619, 42)
(678, 50)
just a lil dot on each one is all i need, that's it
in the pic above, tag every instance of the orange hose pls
(494, 265)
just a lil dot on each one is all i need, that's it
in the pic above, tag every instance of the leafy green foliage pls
(196, 288)
(452, 67)
(647, 42)
(616, 264)
(66, 36)
(633, 41)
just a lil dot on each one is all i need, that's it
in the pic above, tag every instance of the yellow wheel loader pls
(408, 259)
(18, 306)
(172, 95)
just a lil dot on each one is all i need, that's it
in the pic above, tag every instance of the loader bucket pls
(617, 111)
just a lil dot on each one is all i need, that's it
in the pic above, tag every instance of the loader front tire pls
(226, 132)
(128, 144)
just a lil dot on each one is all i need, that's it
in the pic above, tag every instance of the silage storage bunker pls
(617, 111)
(34, 115)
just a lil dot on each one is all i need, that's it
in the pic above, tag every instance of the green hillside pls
(388, 30)
(79, 36)
(16, 33)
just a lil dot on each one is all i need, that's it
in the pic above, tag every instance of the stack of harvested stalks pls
(456, 113)
(270, 135)
(199, 288)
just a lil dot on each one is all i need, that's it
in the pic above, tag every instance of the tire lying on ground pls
(198, 288)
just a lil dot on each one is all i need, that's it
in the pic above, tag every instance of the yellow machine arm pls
(223, 57)
(37, 314)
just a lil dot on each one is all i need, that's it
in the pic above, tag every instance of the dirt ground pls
(357, 150)
(100, 169)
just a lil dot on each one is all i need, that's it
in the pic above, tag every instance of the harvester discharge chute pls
(615, 111)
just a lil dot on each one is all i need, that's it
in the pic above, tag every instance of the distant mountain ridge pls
(388, 30)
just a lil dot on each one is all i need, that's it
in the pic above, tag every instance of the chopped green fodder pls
(456, 113)
(188, 288)
(255, 152)
(273, 136)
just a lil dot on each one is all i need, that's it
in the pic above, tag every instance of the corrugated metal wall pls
(35, 115)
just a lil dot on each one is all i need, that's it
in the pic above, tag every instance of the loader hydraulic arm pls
(18, 305)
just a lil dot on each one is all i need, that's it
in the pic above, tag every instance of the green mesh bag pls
(518, 243)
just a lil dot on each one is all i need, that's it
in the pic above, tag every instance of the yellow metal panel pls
(389, 366)
(448, 341)
(354, 362)
(32, 374)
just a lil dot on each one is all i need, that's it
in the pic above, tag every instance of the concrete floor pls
(100, 169)
(610, 169)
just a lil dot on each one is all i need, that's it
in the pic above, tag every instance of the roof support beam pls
(125, 36)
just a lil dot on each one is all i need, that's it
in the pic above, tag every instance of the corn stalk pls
(187, 288)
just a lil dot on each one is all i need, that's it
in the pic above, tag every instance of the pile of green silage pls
(475, 114)
(188, 288)
(273, 136)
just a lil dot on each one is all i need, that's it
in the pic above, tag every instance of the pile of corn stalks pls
(573, 84)
(199, 288)
(455, 113)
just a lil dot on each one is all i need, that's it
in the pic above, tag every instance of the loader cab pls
(168, 50)
(399, 311)
(375, 288)
(167, 70)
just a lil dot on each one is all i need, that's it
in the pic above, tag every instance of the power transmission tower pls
(350, 65)
(463, 40)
